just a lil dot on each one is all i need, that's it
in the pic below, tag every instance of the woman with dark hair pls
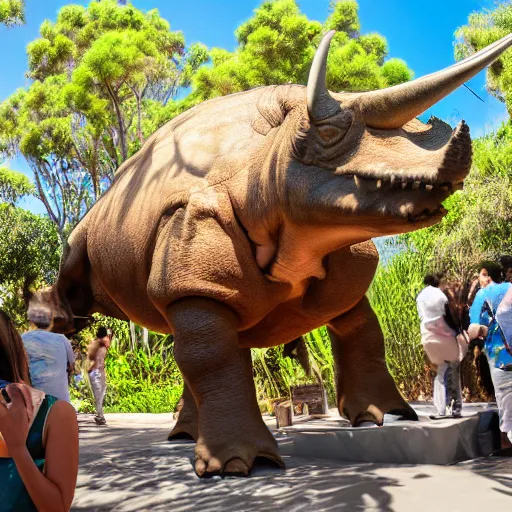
(38, 436)
(444, 344)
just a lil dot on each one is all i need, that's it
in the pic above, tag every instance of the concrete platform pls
(128, 466)
(443, 441)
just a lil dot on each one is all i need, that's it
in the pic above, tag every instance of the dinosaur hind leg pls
(186, 426)
(366, 391)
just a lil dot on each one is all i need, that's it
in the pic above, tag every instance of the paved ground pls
(128, 466)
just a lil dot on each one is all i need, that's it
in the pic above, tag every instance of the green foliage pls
(12, 12)
(274, 374)
(142, 383)
(14, 186)
(137, 382)
(277, 45)
(29, 246)
(103, 77)
(393, 298)
(139, 378)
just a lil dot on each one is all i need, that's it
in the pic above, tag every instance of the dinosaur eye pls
(333, 130)
(329, 133)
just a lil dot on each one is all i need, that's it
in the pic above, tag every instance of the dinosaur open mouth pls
(399, 182)
(429, 190)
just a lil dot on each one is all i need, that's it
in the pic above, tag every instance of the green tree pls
(12, 12)
(13, 186)
(29, 246)
(277, 46)
(103, 76)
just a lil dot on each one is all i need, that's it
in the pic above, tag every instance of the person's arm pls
(52, 491)
(476, 317)
(70, 355)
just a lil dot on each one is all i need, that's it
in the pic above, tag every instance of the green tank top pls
(13, 495)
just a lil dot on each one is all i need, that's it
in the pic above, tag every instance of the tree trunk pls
(120, 122)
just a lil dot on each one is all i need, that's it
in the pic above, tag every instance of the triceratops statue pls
(247, 222)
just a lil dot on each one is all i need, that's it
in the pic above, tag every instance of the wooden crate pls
(284, 414)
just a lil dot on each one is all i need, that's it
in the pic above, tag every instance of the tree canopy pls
(101, 75)
(12, 12)
(277, 46)
(13, 186)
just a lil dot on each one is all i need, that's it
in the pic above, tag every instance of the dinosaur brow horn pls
(321, 105)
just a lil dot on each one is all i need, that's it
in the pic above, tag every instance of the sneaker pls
(100, 420)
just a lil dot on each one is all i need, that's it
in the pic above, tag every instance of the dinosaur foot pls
(184, 429)
(375, 415)
(235, 457)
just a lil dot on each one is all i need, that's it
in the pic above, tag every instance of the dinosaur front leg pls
(231, 431)
(365, 389)
(186, 426)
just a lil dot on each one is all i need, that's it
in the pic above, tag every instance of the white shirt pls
(437, 337)
(431, 303)
(49, 355)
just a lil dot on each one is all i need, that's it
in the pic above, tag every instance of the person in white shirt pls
(50, 358)
(444, 348)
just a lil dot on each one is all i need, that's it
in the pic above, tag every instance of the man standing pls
(97, 353)
(50, 357)
(490, 322)
(442, 347)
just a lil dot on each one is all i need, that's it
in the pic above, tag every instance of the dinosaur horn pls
(320, 103)
(393, 107)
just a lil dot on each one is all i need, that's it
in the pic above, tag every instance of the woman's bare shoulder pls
(62, 410)
(61, 422)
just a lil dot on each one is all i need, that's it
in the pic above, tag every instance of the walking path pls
(128, 466)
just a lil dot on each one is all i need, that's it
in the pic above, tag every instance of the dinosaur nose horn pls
(395, 106)
(321, 104)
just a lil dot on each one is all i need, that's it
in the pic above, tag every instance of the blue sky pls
(418, 31)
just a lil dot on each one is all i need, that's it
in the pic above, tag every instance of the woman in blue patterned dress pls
(38, 436)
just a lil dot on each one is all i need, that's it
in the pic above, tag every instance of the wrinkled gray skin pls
(245, 222)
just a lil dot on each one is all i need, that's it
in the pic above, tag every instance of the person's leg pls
(97, 391)
(502, 381)
(453, 389)
(103, 383)
(440, 389)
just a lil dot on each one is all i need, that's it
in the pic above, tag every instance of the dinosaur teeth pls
(365, 185)
(392, 182)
